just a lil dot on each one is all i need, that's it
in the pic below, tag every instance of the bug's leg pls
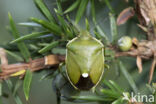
(106, 66)
(93, 89)
(61, 71)
(58, 84)
(63, 85)
(58, 94)
(104, 51)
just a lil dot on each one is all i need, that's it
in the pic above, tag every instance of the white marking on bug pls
(85, 75)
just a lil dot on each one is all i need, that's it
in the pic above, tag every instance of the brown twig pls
(152, 69)
(33, 65)
(141, 50)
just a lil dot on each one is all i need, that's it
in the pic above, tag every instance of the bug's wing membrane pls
(73, 70)
(97, 67)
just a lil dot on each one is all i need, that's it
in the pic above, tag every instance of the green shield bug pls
(84, 61)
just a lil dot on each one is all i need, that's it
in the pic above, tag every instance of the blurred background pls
(22, 10)
(41, 91)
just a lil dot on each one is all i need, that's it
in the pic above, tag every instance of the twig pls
(152, 69)
(141, 50)
(33, 65)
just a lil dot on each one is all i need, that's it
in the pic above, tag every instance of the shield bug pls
(84, 61)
